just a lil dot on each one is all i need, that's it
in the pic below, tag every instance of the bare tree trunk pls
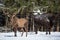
(58, 27)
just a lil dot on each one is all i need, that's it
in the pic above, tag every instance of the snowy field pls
(31, 36)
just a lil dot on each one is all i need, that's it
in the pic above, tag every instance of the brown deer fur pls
(19, 23)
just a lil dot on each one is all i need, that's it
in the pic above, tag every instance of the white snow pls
(31, 36)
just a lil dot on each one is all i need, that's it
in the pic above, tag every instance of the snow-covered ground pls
(31, 36)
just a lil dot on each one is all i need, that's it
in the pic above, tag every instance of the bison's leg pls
(29, 26)
(46, 30)
(15, 30)
(35, 29)
(49, 30)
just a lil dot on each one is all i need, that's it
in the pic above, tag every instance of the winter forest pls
(29, 19)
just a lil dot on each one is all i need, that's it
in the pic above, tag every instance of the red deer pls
(19, 23)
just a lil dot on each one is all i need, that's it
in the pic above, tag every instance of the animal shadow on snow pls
(8, 35)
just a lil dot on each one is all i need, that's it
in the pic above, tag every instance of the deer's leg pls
(26, 29)
(22, 31)
(15, 34)
(15, 30)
